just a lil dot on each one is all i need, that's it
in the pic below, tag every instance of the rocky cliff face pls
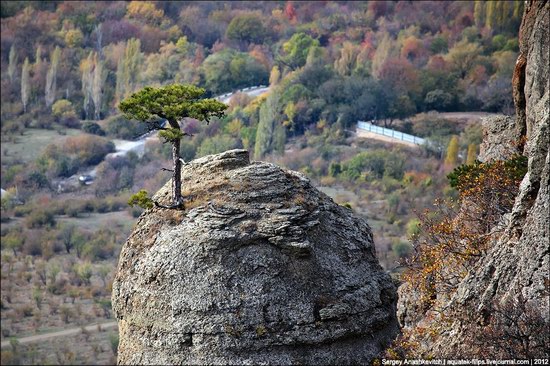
(261, 268)
(517, 265)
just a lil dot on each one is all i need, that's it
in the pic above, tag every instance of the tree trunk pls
(176, 174)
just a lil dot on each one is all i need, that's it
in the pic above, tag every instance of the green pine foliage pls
(141, 199)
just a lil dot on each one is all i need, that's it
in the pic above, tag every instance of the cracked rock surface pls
(261, 268)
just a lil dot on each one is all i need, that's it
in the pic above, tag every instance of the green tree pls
(84, 272)
(103, 273)
(452, 152)
(479, 12)
(63, 109)
(265, 134)
(216, 145)
(87, 70)
(13, 241)
(113, 341)
(401, 249)
(438, 99)
(229, 69)
(37, 296)
(172, 103)
(346, 63)
(472, 154)
(413, 228)
(128, 68)
(74, 38)
(51, 77)
(463, 56)
(53, 271)
(79, 241)
(98, 81)
(246, 28)
(25, 84)
(399, 108)
(296, 50)
(490, 14)
(274, 76)
(67, 236)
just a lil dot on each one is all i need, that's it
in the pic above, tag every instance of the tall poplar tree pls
(51, 77)
(346, 63)
(38, 56)
(133, 59)
(452, 152)
(12, 63)
(25, 84)
(98, 82)
(87, 70)
(384, 51)
(479, 12)
(128, 68)
(472, 154)
(265, 134)
(121, 75)
(490, 14)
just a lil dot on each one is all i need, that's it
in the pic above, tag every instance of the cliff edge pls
(514, 275)
(261, 268)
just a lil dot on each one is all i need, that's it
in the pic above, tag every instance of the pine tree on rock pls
(172, 103)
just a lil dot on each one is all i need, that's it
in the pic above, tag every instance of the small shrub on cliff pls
(454, 235)
(451, 238)
(141, 199)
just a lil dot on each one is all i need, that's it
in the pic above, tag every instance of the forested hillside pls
(65, 66)
(345, 57)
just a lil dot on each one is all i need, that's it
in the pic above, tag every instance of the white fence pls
(366, 126)
(247, 90)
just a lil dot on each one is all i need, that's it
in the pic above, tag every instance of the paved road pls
(466, 115)
(252, 92)
(375, 136)
(65, 332)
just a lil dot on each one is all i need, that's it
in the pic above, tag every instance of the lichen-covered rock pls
(261, 268)
(517, 266)
(501, 138)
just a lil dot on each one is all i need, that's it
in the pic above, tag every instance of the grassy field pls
(94, 221)
(89, 221)
(31, 144)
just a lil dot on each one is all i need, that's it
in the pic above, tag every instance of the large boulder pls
(261, 268)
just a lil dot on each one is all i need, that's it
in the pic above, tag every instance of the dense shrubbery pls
(371, 165)
(122, 128)
(87, 149)
(92, 128)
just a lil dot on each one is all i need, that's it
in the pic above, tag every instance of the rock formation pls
(261, 268)
(518, 263)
